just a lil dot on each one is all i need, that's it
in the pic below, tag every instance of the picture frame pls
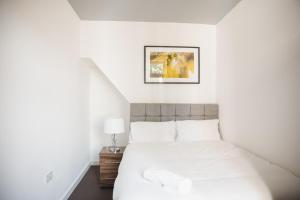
(171, 65)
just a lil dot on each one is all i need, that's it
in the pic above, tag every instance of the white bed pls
(283, 184)
(194, 150)
(217, 169)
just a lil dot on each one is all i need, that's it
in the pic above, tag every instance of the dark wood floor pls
(88, 188)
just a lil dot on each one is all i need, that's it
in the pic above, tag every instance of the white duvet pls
(217, 169)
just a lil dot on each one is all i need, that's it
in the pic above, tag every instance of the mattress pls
(282, 183)
(217, 169)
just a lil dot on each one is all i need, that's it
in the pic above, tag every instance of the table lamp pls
(114, 126)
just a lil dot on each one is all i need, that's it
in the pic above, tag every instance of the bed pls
(218, 170)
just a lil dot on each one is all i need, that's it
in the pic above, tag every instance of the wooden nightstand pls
(109, 165)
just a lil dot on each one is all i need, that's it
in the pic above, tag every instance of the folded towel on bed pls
(168, 179)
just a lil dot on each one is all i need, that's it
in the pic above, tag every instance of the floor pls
(88, 188)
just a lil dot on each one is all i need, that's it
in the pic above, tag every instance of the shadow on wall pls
(105, 101)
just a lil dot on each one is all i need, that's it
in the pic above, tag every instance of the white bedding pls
(218, 171)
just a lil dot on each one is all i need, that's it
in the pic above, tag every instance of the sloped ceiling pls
(179, 11)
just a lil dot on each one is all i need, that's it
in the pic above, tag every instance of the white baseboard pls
(77, 180)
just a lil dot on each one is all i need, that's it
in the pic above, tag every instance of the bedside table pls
(109, 165)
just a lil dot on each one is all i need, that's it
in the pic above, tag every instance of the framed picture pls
(171, 65)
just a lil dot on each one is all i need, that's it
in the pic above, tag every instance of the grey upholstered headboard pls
(167, 112)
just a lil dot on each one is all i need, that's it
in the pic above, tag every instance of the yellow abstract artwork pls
(171, 64)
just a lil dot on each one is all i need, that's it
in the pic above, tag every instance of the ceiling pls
(179, 11)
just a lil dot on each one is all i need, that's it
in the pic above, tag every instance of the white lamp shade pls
(114, 126)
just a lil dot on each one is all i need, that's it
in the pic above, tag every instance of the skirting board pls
(77, 180)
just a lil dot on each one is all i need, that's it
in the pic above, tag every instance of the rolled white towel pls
(169, 179)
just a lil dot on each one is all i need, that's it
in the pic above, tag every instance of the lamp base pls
(114, 149)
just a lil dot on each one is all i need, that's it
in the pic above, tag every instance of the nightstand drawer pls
(109, 167)
(108, 159)
(107, 182)
(108, 175)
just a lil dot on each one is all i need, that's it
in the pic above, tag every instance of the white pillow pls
(197, 130)
(152, 132)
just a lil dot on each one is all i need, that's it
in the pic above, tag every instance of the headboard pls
(166, 112)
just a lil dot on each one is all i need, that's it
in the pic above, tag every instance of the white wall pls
(258, 75)
(117, 48)
(43, 99)
(105, 101)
